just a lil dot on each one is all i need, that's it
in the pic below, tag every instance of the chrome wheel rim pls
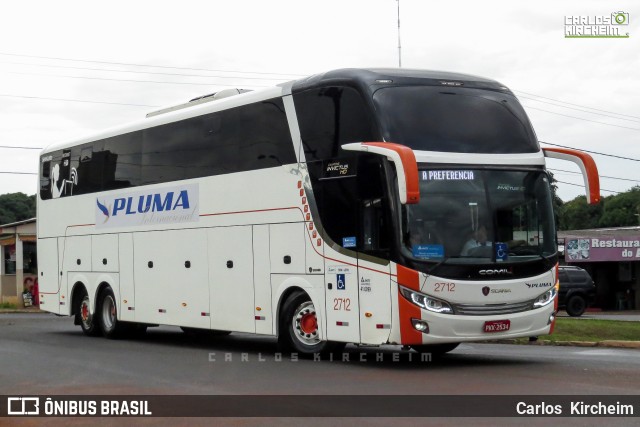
(305, 324)
(108, 312)
(85, 313)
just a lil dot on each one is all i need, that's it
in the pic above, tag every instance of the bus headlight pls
(425, 301)
(546, 298)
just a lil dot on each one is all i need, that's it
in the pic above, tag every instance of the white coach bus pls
(355, 206)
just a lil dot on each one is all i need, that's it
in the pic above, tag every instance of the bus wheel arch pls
(298, 326)
(81, 310)
(281, 301)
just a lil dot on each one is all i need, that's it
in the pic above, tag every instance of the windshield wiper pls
(444, 260)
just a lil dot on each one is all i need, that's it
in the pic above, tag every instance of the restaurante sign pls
(581, 249)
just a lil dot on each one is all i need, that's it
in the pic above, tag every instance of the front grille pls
(492, 309)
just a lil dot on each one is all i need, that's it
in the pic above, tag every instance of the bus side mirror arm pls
(587, 167)
(404, 161)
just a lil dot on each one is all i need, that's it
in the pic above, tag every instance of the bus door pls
(351, 196)
(374, 275)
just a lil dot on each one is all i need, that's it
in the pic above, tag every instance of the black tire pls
(84, 317)
(576, 306)
(302, 338)
(436, 349)
(107, 314)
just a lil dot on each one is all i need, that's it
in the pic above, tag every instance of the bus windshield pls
(460, 120)
(480, 216)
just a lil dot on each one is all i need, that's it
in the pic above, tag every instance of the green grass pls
(592, 330)
(7, 305)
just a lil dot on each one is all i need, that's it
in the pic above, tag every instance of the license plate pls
(497, 325)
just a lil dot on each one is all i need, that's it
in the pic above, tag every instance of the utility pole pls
(399, 45)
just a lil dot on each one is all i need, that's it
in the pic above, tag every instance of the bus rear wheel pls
(108, 315)
(84, 317)
(299, 330)
(436, 349)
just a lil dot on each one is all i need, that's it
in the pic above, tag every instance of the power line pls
(577, 105)
(580, 118)
(145, 72)
(592, 152)
(124, 80)
(579, 185)
(601, 176)
(260, 73)
(18, 173)
(154, 66)
(579, 109)
(77, 100)
(20, 148)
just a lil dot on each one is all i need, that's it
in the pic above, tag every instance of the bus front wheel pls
(298, 330)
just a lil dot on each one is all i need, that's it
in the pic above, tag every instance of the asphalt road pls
(45, 354)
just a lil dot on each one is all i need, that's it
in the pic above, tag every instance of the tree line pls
(618, 210)
(16, 207)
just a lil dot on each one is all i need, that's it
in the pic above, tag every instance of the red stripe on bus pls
(409, 165)
(408, 334)
(409, 278)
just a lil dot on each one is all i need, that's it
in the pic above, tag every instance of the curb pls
(20, 310)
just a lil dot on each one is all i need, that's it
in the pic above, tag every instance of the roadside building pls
(19, 267)
(612, 257)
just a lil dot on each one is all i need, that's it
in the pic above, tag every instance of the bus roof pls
(372, 78)
(366, 80)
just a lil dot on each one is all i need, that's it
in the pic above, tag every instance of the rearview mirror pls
(404, 161)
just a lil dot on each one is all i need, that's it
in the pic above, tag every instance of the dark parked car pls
(577, 290)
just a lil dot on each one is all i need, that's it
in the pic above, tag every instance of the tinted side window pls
(175, 151)
(45, 176)
(123, 169)
(563, 277)
(263, 136)
(107, 164)
(336, 199)
(249, 137)
(50, 174)
(88, 160)
(353, 209)
(332, 116)
(578, 277)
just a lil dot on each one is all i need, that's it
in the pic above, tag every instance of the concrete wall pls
(8, 291)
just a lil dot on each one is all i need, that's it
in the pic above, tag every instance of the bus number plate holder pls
(497, 326)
